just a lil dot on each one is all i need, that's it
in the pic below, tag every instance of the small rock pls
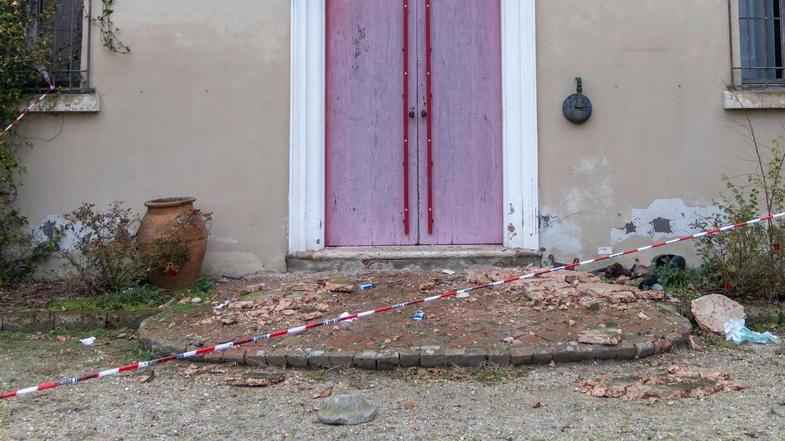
(536, 405)
(600, 336)
(427, 286)
(695, 344)
(590, 304)
(311, 316)
(229, 320)
(323, 393)
(339, 287)
(346, 409)
(643, 316)
(252, 288)
(508, 339)
(241, 304)
(714, 310)
(196, 300)
(146, 377)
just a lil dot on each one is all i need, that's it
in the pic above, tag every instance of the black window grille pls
(761, 37)
(68, 27)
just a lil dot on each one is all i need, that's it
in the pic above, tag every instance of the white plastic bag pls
(737, 332)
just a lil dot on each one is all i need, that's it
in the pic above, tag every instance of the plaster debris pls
(600, 336)
(673, 383)
(714, 310)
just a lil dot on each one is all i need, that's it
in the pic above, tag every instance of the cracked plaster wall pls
(650, 158)
(200, 107)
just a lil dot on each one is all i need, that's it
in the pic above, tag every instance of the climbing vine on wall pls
(20, 59)
(109, 30)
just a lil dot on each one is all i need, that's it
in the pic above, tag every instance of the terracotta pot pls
(164, 219)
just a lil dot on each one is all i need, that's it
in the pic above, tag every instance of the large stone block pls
(80, 320)
(365, 360)
(28, 321)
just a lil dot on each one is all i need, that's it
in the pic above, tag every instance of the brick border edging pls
(43, 320)
(431, 356)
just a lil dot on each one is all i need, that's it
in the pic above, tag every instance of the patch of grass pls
(769, 319)
(321, 375)
(203, 287)
(134, 298)
(11, 336)
(487, 374)
(493, 373)
(130, 299)
(185, 307)
(137, 354)
(719, 342)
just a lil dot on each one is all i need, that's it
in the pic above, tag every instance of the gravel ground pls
(413, 404)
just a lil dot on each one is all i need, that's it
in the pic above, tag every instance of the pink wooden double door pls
(413, 122)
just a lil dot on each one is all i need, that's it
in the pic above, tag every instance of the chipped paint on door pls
(364, 134)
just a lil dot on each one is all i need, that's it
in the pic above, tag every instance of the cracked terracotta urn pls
(174, 223)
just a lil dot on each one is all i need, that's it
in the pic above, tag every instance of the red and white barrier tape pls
(30, 107)
(461, 293)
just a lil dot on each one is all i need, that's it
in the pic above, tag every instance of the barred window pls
(67, 24)
(760, 42)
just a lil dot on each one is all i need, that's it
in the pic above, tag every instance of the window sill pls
(754, 99)
(69, 102)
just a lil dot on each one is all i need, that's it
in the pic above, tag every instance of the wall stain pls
(547, 221)
(630, 228)
(359, 48)
(661, 225)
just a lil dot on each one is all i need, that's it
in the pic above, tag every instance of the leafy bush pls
(673, 278)
(748, 261)
(104, 254)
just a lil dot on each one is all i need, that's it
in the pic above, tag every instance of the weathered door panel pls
(466, 118)
(364, 117)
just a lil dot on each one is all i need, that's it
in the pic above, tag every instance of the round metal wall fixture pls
(577, 107)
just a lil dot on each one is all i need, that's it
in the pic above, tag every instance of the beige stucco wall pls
(200, 107)
(659, 138)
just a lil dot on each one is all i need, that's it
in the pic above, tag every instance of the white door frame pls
(307, 119)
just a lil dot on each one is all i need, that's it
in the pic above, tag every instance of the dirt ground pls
(192, 401)
(543, 315)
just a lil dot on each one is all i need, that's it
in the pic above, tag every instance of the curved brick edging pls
(43, 320)
(430, 356)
